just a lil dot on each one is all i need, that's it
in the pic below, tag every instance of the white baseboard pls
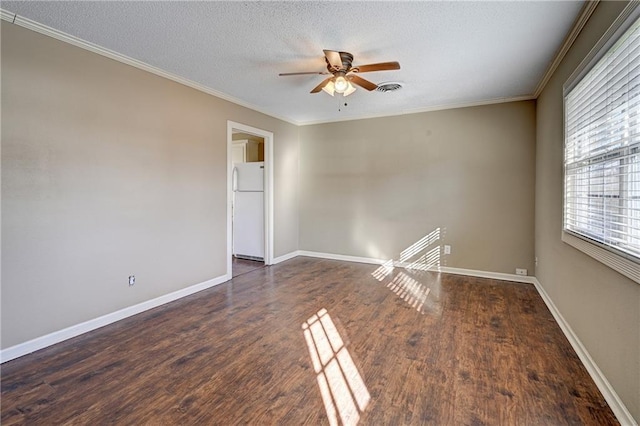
(444, 269)
(284, 257)
(617, 406)
(78, 329)
(484, 274)
(344, 257)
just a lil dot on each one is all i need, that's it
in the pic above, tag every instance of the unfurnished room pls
(320, 212)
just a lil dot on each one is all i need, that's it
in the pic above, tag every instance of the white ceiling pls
(451, 52)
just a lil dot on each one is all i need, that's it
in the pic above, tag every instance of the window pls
(602, 148)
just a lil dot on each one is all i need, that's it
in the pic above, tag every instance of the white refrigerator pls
(248, 210)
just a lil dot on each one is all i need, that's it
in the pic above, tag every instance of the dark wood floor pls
(315, 341)
(242, 266)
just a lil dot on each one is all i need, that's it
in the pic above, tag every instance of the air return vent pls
(389, 87)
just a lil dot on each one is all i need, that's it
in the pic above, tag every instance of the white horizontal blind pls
(602, 150)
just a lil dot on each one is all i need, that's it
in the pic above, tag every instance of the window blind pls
(602, 150)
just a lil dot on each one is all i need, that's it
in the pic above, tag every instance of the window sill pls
(616, 262)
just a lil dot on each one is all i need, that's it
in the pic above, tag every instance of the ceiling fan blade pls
(382, 66)
(334, 59)
(366, 84)
(282, 74)
(321, 85)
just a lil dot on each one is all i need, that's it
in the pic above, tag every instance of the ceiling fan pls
(344, 75)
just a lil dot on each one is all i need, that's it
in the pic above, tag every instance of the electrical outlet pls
(132, 280)
(536, 260)
(447, 249)
(520, 271)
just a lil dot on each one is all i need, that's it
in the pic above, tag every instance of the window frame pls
(625, 263)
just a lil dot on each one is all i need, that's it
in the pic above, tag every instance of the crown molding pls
(7, 16)
(78, 42)
(578, 25)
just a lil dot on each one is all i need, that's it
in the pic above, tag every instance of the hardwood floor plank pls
(395, 347)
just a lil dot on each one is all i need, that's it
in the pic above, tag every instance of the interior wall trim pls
(500, 276)
(617, 406)
(5, 15)
(346, 258)
(269, 224)
(578, 25)
(284, 257)
(444, 269)
(78, 42)
(75, 330)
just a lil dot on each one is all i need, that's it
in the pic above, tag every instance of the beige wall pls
(109, 171)
(602, 306)
(372, 188)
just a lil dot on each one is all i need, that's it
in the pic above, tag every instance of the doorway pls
(249, 199)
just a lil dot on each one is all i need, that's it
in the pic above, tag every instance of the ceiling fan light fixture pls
(341, 84)
(350, 89)
(329, 88)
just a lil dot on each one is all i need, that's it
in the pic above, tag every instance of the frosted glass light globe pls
(341, 84)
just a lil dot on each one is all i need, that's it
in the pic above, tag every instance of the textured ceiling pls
(451, 53)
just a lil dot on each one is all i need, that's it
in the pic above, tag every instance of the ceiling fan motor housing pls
(347, 60)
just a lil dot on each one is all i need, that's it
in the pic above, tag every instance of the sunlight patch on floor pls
(385, 269)
(411, 291)
(344, 394)
(414, 286)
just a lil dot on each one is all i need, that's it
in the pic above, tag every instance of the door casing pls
(268, 189)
